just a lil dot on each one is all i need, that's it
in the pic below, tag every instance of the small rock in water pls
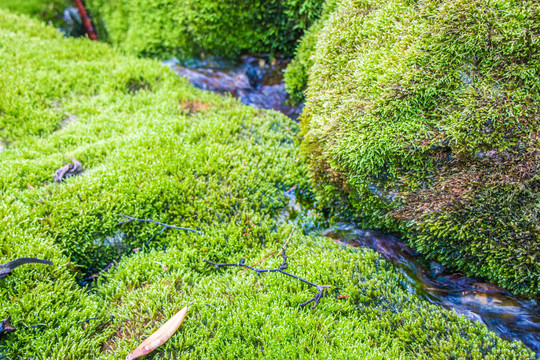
(435, 269)
(74, 26)
(256, 81)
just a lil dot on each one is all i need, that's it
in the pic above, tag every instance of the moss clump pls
(166, 151)
(296, 73)
(47, 10)
(423, 115)
(189, 29)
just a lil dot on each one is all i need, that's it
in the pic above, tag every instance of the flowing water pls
(258, 81)
(506, 315)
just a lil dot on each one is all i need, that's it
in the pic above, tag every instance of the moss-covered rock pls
(424, 117)
(210, 27)
(296, 73)
(154, 147)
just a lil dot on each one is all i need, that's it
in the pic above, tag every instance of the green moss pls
(155, 147)
(422, 117)
(47, 10)
(189, 29)
(296, 73)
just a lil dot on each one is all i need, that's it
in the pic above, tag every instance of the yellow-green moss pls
(422, 117)
(47, 10)
(296, 73)
(198, 28)
(154, 147)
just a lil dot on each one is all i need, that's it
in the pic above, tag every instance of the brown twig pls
(275, 252)
(289, 238)
(86, 20)
(280, 269)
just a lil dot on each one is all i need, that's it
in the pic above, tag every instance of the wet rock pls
(256, 80)
(74, 26)
(435, 269)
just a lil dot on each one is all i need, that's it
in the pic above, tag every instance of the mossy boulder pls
(155, 147)
(296, 73)
(187, 29)
(422, 117)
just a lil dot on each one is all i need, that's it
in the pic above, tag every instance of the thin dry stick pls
(280, 269)
(165, 226)
(260, 261)
(275, 252)
(5, 269)
(289, 238)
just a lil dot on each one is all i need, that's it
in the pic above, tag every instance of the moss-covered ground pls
(155, 147)
(422, 117)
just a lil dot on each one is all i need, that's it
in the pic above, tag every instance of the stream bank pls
(508, 316)
(258, 81)
(219, 168)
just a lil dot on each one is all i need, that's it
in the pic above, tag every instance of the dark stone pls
(435, 269)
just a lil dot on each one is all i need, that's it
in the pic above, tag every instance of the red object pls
(86, 19)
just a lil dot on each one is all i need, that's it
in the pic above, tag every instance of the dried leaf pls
(342, 297)
(60, 173)
(160, 336)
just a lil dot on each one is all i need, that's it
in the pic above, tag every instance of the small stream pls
(258, 81)
(255, 80)
(506, 315)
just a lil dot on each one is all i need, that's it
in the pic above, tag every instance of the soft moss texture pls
(424, 117)
(154, 147)
(296, 73)
(186, 29)
(47, 10)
